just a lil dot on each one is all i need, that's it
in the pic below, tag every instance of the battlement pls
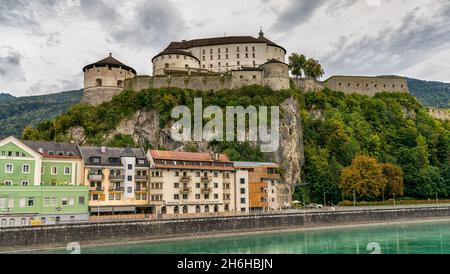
(367, 85)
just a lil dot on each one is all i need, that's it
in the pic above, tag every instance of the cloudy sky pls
(45, 43)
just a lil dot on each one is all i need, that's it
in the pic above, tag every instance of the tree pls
(394, 178)
(313, 69)
(297, 64)
(364, 178)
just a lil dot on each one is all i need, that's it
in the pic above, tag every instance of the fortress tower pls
(105, 79)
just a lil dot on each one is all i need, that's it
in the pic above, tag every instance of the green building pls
(41, 183)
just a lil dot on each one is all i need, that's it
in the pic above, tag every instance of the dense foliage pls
(431, 94)
(16, 113)
(393, 128)
(300, 66)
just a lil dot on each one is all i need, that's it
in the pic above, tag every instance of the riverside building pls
(186, 182)
(41, 183)
(117, 179)
(263, 179)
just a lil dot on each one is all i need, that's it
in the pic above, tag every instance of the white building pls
(219, 54)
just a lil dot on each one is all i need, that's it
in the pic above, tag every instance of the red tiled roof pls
(187, 156)
(226, 168)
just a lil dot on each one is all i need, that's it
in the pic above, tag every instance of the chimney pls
(41, 151)
(216, 156)
(103, 149)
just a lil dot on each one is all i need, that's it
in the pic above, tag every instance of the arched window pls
(206, 208)
(4, 222)
(43, 220)
(99, 82)
(57, 220)
(197, 209)
(12, 222)
(216, 208)
(176, 210)
(227, 208)
(23, 221)
(163, 210)
(185, 209)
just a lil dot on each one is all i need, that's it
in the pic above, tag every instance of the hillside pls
(18, 112)
(431, 94)
(392, 127)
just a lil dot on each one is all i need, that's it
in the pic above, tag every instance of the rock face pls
(145, 129)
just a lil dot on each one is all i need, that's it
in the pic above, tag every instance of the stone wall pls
(308, 85)
(442, 114)
(367, 85)
(61, 235)
(98, 95)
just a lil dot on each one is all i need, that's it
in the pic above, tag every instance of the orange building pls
(262, 181)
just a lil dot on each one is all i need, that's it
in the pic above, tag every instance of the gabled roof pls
(221, 41)
(54, 149)
(89, 152)
(187, 156)
(110, 62)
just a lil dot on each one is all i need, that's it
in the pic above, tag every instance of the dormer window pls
(51, 153)
(95, 160)
(70, 153)
(61, 153)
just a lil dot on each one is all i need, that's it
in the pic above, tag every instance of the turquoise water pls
(412, 238)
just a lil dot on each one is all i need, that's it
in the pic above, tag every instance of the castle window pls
(376, 85)
(211, 51)
(401, 86)
(166, 65)
(203, 51)
(170, 56)
(178, 56)
(254, 63)
(218, 50)
(340, 84)
(218, 57)
(349, 85)
(226, 64)
(254, 55)
(246, 55)
(226, 50)
(253, 48)
(203, 58)
(238, 56)
(210, 65)
(211, 57)
(185, 58)
(367, 85)
(219, 64)
(246, 48)
(254, 76)
(238, 63)
(384, 85)
(99, 82)
(242, 77)
(357, 85)
(237, 49)
(226, 56)
(203, 66)
(120, 83)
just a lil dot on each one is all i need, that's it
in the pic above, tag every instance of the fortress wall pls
(242, 78)
(308, 85)
(122, 231)
(367, 85)
(442, 114)
(98, 95)
(109, 76)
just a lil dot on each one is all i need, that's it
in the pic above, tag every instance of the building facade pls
(217, 55)
(117, 179)
(186, 182)
(263, 179)
(40, 183)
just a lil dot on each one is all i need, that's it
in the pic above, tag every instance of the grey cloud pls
(26, 14)
(392, 49)
(10, 65)
(335, 8)
(296, 14)
(153, 24)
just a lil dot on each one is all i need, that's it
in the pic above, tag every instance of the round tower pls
(173, 62)
(275, 74)
(105, 79)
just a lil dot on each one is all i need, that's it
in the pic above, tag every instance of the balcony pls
(206, 179)
(206, 190)
(116, 177)
(141, 177)
(185, 190)
(95, 177)
(186, 179)
(97, 189)
(116, 189)
(140, 189)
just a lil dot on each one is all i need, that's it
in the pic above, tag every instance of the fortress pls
(219, 63)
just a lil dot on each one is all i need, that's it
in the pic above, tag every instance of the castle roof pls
(274, 61)
(175, 51)
(110, 62)
(221, 41)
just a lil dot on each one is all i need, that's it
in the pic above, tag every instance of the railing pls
(206, 190)
(141, 177)
(117, 177)
(116, 189)
(96, 177)
(98, 188)
(206, 179)
(186, 178)
(185, 189)
(142, 188)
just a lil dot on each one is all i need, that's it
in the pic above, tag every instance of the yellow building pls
(185, 182)
(118, 180)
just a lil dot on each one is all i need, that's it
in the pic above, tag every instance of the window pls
(46, 201)
(23, 222)
(197, 174)
(25, 183)
(211, 57)
(8, 183)
(185, 196)
(176, 185)
(197, 185)
(98, 82)
(237, 49)
(216, 185)
(130, 189)
(11, 203)
(118, 197)
(238, 55)
(216, 196)
(66, 170)
(203, 51)
(226, 56)
(130, 178)
(25, 168)
(9, 168)
(130, 167)
(242, 181)
(30, 202)
(203, 58)
(176, 196)
(2, 202)
(177, 173)
(111, 197)
(22, 202)
(206, 196)
(54, 201)
(54, 170)
(242, 190)
(246, 55)
(71, 201)
(64, 202)
(216, 174)
(197, 196)
(253, 48)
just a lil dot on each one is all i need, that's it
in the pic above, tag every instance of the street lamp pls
(354, 198)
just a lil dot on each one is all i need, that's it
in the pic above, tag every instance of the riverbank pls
(107, 234)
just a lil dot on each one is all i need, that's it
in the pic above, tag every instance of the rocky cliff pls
(145, 129)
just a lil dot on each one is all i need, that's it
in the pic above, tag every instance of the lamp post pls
(354, 198)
